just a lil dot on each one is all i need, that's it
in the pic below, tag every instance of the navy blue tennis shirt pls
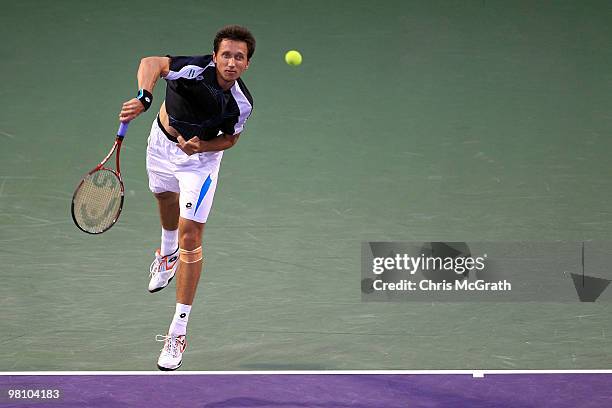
(196, 104)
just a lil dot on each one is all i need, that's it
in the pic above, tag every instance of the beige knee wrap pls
(192, 256)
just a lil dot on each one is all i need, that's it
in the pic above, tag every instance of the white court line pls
(474, 373)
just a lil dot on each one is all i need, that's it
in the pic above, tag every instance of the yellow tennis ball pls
(293, 58)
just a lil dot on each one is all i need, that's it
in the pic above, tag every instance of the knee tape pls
(192, 256)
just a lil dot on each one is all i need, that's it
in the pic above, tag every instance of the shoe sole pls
(170, 369)
(158, 289)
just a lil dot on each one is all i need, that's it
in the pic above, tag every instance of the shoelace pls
(172, 347)
(154, 270)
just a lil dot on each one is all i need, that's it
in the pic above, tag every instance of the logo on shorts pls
(182, 315)
(189, 205)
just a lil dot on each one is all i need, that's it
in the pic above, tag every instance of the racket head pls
(97, 201)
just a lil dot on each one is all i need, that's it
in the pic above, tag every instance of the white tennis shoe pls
(171, 356)
(162, 270)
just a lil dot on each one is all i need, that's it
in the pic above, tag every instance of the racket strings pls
(97, 202)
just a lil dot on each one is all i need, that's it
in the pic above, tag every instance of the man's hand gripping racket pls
(98, 199)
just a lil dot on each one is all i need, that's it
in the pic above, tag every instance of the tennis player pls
(204, 113)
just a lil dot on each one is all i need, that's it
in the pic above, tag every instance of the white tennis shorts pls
(194, 177)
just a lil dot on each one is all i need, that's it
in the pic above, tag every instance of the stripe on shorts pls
(203, 192)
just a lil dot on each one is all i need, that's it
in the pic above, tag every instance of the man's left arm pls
(195, 145)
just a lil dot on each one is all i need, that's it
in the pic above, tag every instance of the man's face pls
(231, 60)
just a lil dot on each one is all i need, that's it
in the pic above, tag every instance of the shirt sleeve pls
(187, 67)
(243, 106)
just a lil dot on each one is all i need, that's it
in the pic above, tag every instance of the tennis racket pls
(98, 199)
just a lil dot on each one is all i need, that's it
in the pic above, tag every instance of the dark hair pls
(236, 33)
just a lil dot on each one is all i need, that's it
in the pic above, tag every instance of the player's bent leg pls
(169, 210)
(165, 186)
(164, 265)
(162, 270)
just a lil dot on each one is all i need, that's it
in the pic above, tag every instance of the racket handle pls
(123, 127)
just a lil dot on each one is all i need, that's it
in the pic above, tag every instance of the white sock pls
(179, 322)
(169, 242)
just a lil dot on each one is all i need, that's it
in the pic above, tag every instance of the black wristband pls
(145, 97)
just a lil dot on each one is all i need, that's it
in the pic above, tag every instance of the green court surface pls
(407, 121)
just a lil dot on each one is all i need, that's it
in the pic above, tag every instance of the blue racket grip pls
(123, 127)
